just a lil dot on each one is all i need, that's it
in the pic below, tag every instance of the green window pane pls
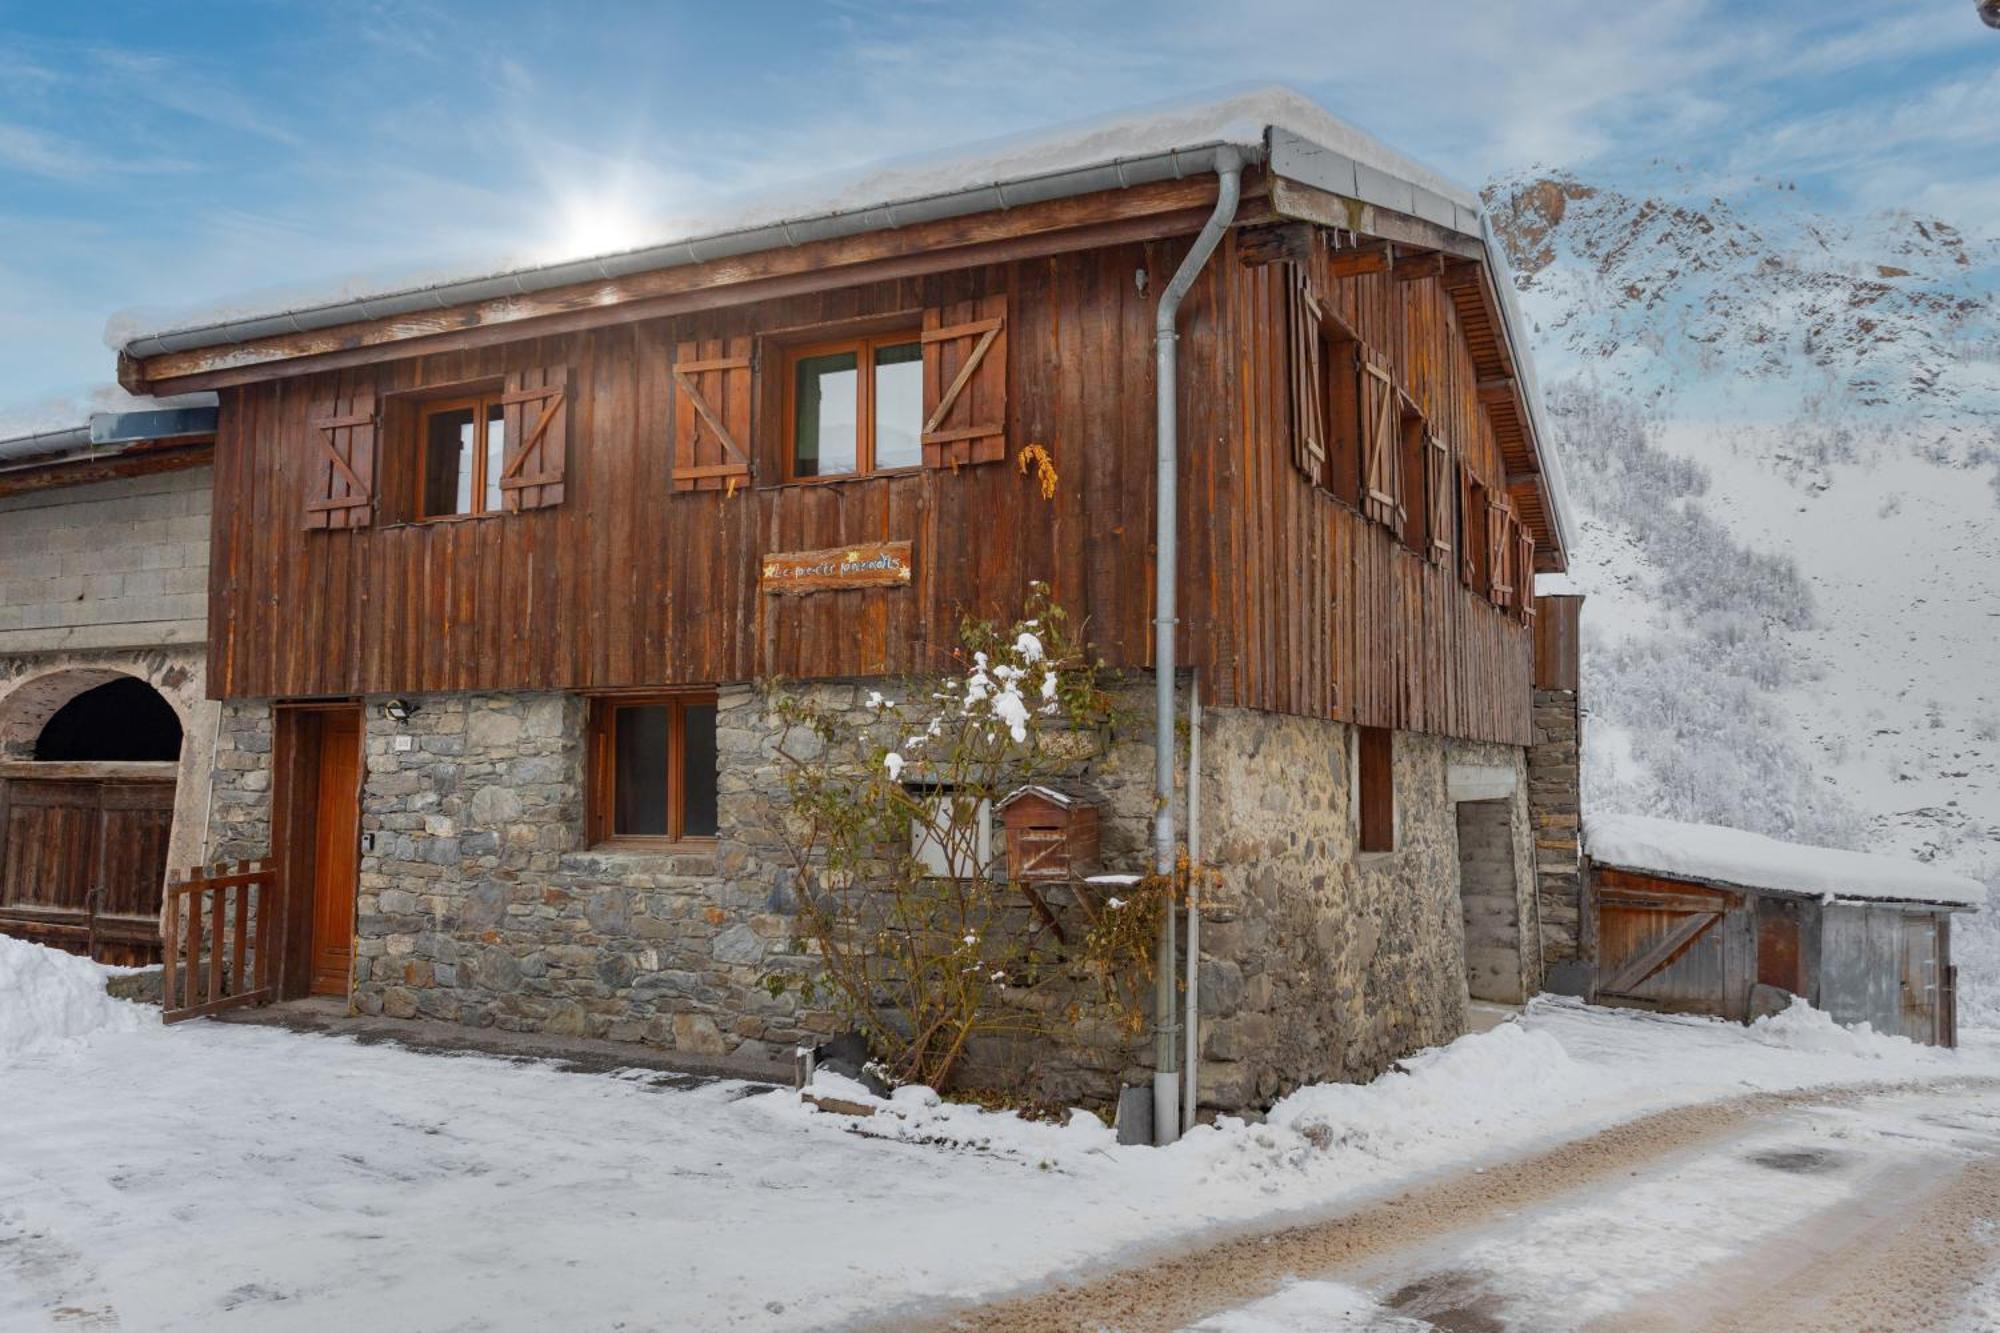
(826, 415)
(899, 405)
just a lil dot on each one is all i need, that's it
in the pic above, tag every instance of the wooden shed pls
(1704, 919)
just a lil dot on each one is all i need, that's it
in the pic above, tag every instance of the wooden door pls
(336, 843)
(1667, 944)
(82, 864)
(1920, 983)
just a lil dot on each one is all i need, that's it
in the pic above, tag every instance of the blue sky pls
(157, 155)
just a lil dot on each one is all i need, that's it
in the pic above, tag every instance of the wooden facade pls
(639, 563)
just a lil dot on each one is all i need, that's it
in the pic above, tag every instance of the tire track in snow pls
(1175, 1289)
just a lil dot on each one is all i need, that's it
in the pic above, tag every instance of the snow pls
(73, 411)
(54, 999)
(220, 1176)
(1731, 856)
(1241, 119)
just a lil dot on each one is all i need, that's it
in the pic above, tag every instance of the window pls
(1325, 393)
(652, 768)
(1414, 472)
(464, 450)
(954, 839)
(855, 406)
(1375, 789)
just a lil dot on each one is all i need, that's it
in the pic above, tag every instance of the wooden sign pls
(871, 565)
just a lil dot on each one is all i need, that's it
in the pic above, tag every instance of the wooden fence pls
(218, 946)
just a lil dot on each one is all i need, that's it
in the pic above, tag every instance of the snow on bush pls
(49, 998)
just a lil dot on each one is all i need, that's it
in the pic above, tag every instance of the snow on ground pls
(51, 999)
(219, 1176)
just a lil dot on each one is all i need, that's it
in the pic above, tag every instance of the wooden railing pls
(217, 940)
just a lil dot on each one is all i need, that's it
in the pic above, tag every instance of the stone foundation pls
(479, 904)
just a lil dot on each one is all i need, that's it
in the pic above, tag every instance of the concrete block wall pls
(112, 564)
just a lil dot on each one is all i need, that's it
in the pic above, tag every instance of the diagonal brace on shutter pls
(989, 329)
(683, 372)
(510, 478)
(325, 428)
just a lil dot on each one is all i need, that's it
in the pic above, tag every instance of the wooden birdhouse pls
(1051, 834)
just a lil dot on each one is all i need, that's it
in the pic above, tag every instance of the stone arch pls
(26, 709)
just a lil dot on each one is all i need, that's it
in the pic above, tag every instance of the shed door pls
(1919, 980)
(1668, 945)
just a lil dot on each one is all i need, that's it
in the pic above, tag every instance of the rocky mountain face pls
(1675, 291)
(1782, 426)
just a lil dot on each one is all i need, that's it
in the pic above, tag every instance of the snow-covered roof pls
(1730, 856)
(1158, 142)
(1053, 795)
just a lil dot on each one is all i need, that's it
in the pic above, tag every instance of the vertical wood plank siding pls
(1291, 601)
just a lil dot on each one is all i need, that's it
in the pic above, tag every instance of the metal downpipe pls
(1166, 573)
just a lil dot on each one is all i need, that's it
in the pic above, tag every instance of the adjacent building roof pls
(1712, 854)
(98, 422)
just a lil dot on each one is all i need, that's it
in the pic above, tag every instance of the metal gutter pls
(1166, 579)
(1119, 173)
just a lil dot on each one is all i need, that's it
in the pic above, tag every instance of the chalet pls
(104, 721)
(1701, 919)
(501, 568)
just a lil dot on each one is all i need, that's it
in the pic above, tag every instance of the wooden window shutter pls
(1469, 535)
(1308, 383)
(965, 382)
(340, 467)
(536, 409)
(1382, 449)
(1499, 558)
(712, 394)
(1443, 494)
(1524, 570)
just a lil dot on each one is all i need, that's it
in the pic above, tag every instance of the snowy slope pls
(1783, 427)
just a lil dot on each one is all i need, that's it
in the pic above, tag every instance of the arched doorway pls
(86, 811)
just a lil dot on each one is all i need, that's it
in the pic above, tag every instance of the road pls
(1852, 1210)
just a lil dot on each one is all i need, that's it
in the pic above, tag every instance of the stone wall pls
(1318, 962)
(1554, 804)
(478, 904)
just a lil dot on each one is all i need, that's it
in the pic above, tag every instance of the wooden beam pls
(81, 471)
(1292, 200)
(116, 770)
(1419, 267)
(1273, 243)
(1373, 258)
(1143, 212)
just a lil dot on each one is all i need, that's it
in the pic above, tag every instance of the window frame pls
(1376, 827)
(601, 785)
(864, 346)
(482, 402)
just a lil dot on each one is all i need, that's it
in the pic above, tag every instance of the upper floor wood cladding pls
(644, 570)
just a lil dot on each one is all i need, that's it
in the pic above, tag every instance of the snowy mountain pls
(1783, 431)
